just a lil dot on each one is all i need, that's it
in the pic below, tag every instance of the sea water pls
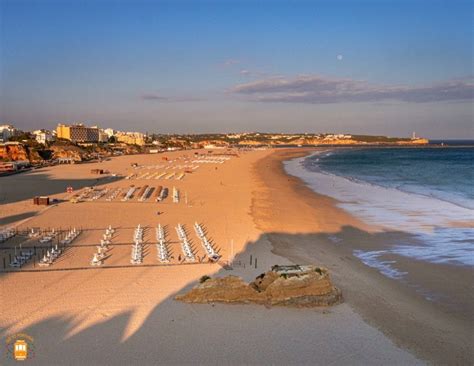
(426, 192)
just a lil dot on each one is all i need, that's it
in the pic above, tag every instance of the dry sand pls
(128, 315)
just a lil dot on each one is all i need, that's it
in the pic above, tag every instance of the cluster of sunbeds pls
(212, 159)
(99, 256)
(162, 248)
(137, 246)
(185, 245)
(22, 257)
(211, 253)
(6, 234)
(54, 252)
(48, 237)
(175, 195)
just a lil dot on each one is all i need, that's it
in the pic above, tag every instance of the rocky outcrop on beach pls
(296, 286)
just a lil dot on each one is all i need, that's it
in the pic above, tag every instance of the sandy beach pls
(121, 314)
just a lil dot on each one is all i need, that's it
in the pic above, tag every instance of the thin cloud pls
(316, 89)
(166, 98)
(154, 97)
(231, 62)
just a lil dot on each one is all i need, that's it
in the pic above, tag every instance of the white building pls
(7, 131)
(110, 132)
(43, 136)
(103, 136)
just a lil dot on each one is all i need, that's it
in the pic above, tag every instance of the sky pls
(380, 67)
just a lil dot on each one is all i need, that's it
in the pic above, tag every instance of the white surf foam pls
(427, 218)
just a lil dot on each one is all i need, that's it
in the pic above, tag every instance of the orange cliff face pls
(419, 141)
(13, 152)
(69, 152)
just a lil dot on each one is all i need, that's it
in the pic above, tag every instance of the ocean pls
(426, 192)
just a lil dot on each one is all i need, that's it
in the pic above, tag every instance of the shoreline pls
(430, 331)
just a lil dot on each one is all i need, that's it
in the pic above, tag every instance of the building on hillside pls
(7, 131)
(78, 133)
(103, 136)
(131, 138)
(110, 132)
(43, 136)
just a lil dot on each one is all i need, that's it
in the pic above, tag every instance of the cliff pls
(68, 151)
(16, 152)
(296, 286)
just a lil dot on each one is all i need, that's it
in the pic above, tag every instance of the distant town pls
(74, 143)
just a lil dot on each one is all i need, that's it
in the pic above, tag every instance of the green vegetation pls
(204, 279)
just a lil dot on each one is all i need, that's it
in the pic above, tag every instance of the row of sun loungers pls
(114, 194)
(50, 256)
(175, 195)
(6, 234)
(71, 235)
(169, 166)
(137, 246)
(96, 194)
(211, 253)
(99, 256)
(185, 245)
(189, 167)
(162, 248)
(33, 233)
(145, 193)
(47, 238)
(212, 160)
(142, 194)
(129, 193)
(23, 257)
(163, 175)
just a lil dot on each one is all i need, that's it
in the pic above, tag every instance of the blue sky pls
(382, 67)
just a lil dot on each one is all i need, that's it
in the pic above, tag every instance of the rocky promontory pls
(293, 285)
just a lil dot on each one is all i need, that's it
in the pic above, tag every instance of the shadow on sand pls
(6, 220)
(19, 187)
(178, 333)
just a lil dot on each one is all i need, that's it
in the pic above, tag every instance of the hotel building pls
(78, 133)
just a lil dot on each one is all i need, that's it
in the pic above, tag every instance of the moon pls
(339, 57)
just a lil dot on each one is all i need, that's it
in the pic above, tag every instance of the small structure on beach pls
(41, 200)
